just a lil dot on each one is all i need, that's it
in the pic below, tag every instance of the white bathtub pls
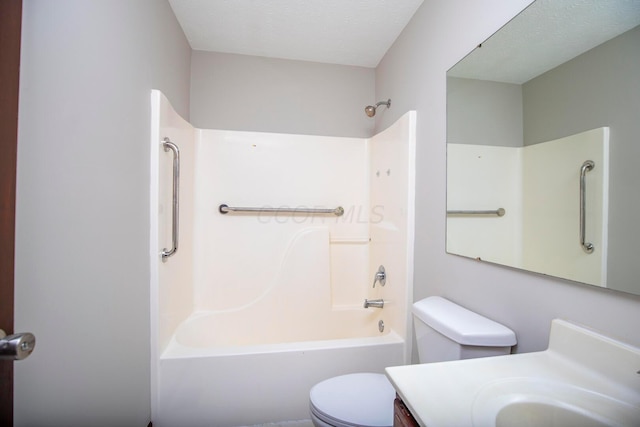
(204, 382)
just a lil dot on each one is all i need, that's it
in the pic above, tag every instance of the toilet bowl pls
(354, 400)
(444, 331)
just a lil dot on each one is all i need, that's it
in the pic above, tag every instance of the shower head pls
(370, 110)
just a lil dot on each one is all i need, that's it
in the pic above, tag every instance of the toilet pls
(444, 331)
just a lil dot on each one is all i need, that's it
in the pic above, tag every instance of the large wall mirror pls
(543, 144)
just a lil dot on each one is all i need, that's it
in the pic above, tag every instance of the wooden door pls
(10, 28)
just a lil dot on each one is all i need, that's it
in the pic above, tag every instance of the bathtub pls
(209, 378)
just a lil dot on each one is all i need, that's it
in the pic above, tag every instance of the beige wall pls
(251, 93)
(83, 186)
(413, 74)
(484, 113)
(82, 234)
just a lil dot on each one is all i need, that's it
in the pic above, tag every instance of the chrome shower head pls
(370, 110)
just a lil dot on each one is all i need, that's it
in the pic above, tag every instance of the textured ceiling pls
(553, 32)
(348, 32)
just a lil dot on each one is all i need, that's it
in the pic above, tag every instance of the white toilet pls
(444, 331)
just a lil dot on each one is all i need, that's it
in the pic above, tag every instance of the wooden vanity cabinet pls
(401, 415)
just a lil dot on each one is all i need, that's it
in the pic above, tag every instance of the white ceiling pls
(348, 32)
(547, 34)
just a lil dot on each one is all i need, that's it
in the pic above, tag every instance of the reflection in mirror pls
(556, 87)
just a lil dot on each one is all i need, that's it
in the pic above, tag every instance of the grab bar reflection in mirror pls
(497, 212)
(586, 167)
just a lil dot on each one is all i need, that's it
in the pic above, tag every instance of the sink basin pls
(529, 402)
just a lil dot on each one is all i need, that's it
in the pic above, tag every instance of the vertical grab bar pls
(170, 146)
(586, 167)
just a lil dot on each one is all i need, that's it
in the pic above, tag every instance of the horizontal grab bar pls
(349, 240)
(224, 209)
(497, 212)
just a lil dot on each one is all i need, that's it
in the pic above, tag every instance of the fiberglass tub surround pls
(255, 307)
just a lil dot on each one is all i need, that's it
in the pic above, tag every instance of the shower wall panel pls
(240, 258)
(175, 275)
(538, 186)
(484, 177)
(392, 192)
(552, 207)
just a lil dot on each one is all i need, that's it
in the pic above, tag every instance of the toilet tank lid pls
(461, 325)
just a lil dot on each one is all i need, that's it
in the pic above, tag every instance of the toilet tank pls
(447, 331)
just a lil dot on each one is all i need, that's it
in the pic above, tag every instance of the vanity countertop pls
(579, 363)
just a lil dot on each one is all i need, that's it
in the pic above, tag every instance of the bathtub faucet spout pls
(377, 303)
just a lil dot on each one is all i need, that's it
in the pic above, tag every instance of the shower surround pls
(255, 308)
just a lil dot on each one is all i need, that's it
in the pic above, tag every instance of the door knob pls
(16, 346)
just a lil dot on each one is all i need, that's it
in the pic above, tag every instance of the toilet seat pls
(355, 400)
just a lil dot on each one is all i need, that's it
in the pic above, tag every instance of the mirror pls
(527, 109)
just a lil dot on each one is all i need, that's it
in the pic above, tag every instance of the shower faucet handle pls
(380, 276)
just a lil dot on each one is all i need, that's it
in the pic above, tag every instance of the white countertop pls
(447, 393)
